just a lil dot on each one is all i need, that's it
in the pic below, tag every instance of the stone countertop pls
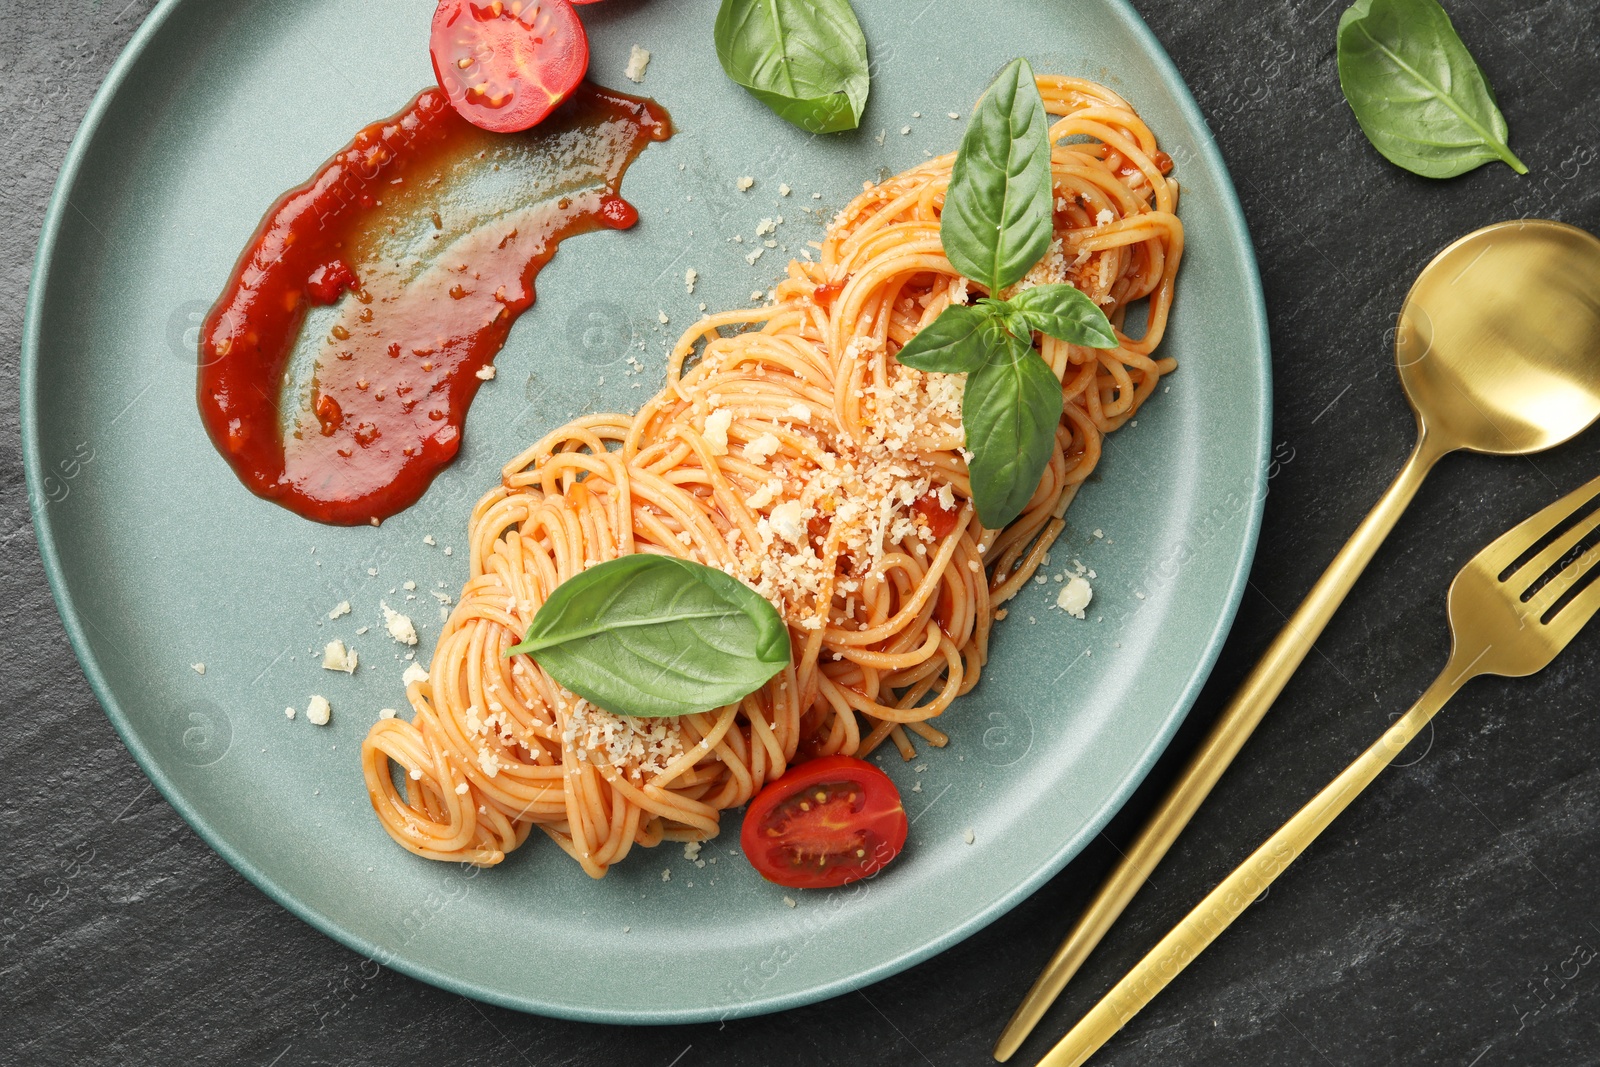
(1449, 917)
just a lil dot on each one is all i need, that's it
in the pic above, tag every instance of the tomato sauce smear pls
(337, 367)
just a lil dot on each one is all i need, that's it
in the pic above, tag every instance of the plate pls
(161, 560)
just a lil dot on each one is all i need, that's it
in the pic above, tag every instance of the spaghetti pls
(797, 454)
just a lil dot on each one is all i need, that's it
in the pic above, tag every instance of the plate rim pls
(44, 258)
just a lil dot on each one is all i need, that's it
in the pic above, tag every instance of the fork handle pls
(1245, 885)
(1227, 736)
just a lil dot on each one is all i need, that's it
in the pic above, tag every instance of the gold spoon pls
(1498, 351)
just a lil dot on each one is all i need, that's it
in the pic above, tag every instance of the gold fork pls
(1512, 608)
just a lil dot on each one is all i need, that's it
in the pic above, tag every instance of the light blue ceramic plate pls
(160, 559)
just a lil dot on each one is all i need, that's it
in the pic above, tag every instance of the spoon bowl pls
(1499, 340)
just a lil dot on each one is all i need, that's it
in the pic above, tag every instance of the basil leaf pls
(651, 636)
(957, 341)
(1065, 314)
(1010, 410)
(1420, 97)
(997, 219)
(804, 59)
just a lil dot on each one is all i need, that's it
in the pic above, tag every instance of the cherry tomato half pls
(506, 64)
(827, 822)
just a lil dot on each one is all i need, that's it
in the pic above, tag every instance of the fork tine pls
(1524, 576)
(1503, 550)
(1566, 623)
(1561, 582)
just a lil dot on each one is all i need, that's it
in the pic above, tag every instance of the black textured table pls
(1451, 917)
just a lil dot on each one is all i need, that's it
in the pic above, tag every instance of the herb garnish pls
(997, 223)
(805, 59)
(650, 636)
(1420, 97)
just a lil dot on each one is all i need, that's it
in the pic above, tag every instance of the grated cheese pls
(1074, 597)
(638, 60)
(716, 433)
(335, 657)
(399, 626)
(762, 448)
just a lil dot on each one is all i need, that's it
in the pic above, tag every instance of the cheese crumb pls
(763, 496)
(969, 837)
(690, 276)
(955, 114)
(745, 183)
(788, 521)
(461, 790)
(691, 850)
(788, 902)
(340, 609)
(638, 59)
(761, 449)
(335, 657)
(765, 226)
(1074, 597)
(428, 540)
(717, 424)
(198, 668)
(288, 713)
(784, 190)
(666, 875)
(414, 673)
(661, 317)
(318, 710)
(386, 713)
(398, 625)
(485, 373)
(751, 259)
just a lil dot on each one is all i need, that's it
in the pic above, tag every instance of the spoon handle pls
(1228, 735)
(1245, 885)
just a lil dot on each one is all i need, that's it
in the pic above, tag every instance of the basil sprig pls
(805, 59)
(651, 636)
(997, 223)
(1420, 97)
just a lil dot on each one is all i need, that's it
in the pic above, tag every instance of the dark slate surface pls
(1437, 923)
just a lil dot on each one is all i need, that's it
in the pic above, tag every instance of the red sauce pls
(422, 238)
(825, 294)
(940, 519)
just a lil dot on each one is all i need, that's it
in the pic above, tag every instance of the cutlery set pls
(1498, 351)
